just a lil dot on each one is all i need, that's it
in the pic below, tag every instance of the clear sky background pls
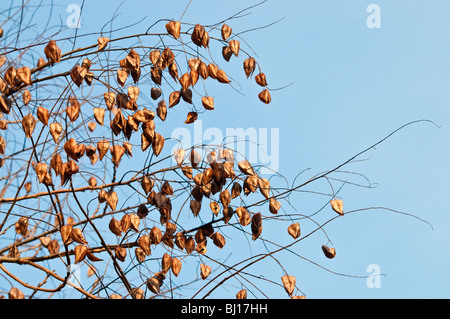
(350, 87)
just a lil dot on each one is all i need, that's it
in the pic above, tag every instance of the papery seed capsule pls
(288, 283)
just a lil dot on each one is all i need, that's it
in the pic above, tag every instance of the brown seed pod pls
(120, 253)
(21, 226)
(92, 126)
(167, 57)
(204, 271)
(226, 53)
(264, 187)
(10, 76)
(236, 190)
(187, 171)
(218, 240)
(102, 43)
(147, 184)
(28, 124)
(74, 150)
(80, 253)
(195, 207)
(55, 131)
(111, 199)
(250, 184)
(166, 263)
(242, 294)
(41, 171)
(208, 102)
(226, 32)
(99, 115)
(288, 284)
(117, 153)
(176, 266)
(187, 96)
(155, 235)
(77, 235)
(26, 97)
(154, 285)
(185, 81)
(155, 57)
(190, 245)
(174, 28)
(274, 206)
(133, 92)
(73, 109)
(23, 74)
(265, 97)
(180, 240)
(174, 98)
(193, 77)
(145, 116)
(134, 222)
(15, 293)
(261, 79)
(2, 145)
(52, 52)
(294, 230)
(53, 247)
(155, 93)
(14, 252)
(225, 198)
(178, 154)
(161, 110)
(77, 75)
(203, 70)
(110, 99)
(338, 206)
(234, 47)
(122, 77)
(191, 118)
(222, 77)
(144, 243)
(329, 252)
(102, 147)
(246, 168)
(166, 189)
(198, 34)
(92, 258)
(249, 66)
(114, 227)
(92, 181)
(140, 255)
(157, 144)
(125, 223)
(244, 216)
(256, 226)
(215, 208)
(57, 164)
(5, 104)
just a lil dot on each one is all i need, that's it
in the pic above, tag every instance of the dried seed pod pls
(208, 102)
(21, 226)
(222, 77)
(195, 207)
(193, 77)
(92, 126)
(115, 227)
(41, 171)
(23, 74)
(122, 77)
(234, 47)
(203, 70)
(174, 28)
(265, 97)
(180, 240)
(155, 56)
(120, 253)
(205, 271)
(102, 43)
(102, 147)
(166, 189)
(225, 198)
(178, 154)
(43, 115)
(155, 93)
(242, 294)
(117, 153)
(80, 253)
(166, 263)
(201, 248)
(174, 98)
(274, 206)
(161, 110)
(77, 235)
(53, 247)
(41, 62)
(187, 95)
(250, 184)
(133, 92)
(57, 164)
(191, 117)
(226, 53)
(110, 99)
(2, 145)
(134, 222)
(73, 109)
(99, 115)
(147, 184)
(45, 241)
(140, 255)
(256, 226)
(156, 74)
(198, 34)
(261, 79)
(218, 240)
(338, 206)
(10, 76)
(26, 97)
(52, 52)
(157, 144)
(244, 216)
(264, 187)
(15, 293)
(294, 230)
(288, 283)
(111, 199)
(236, 190)
(246, 168)
(249, 66)
(77, 75)
(145, 116)
(28, 124)
(187, 171)
(55, 131)
(167, 57)
(155, 235)
(154, 285)
(5, 104)
(92, 181)
(189, 245)
(176, 266)
(215, 208)
(226, 32)
(74, 150)
(329, 252)
(144, 243)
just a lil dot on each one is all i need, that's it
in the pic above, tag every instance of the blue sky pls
(349, 87)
